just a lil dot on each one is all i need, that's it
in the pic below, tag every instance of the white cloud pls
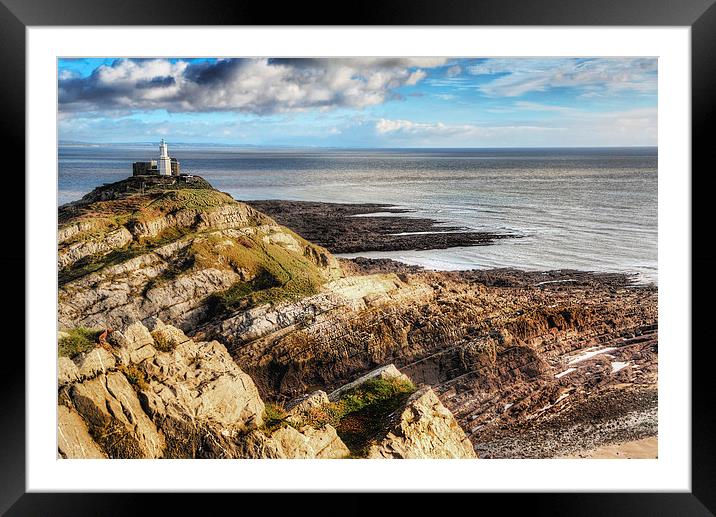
(438, 129)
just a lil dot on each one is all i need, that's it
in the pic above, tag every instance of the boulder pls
(200, 381)
(423, 428)
(134, 345)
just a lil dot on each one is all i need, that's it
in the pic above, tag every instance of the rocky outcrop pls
(229, 215)
(424, 428)
(154, 393)
(148, 395)
(149, 285)
(352, 293)
(110, 406)
(380, 418)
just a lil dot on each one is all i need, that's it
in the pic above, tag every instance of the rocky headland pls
(193, 325)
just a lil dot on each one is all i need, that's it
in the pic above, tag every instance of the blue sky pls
(361, 102)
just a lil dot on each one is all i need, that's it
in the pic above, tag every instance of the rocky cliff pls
(152, 392)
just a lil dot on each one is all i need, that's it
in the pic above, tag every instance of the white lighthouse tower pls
(165, 164)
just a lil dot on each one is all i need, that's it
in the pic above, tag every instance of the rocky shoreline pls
(353, 228)
(178, 302)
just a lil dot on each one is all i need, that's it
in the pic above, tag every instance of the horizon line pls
(290, 146)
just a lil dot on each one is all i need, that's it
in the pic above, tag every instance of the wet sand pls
(646, 448)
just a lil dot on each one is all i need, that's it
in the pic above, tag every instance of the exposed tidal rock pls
(505, 352)
(424, 428)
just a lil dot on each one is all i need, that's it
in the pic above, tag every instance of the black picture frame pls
(700, 15)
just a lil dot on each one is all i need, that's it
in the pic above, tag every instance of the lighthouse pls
(164, 166)
(165, 163)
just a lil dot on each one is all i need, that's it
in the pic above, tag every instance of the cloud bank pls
(257, 86)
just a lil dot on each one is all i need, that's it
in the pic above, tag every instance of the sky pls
(361, 102)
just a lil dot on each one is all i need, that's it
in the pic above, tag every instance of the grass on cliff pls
(175, 200)
(76, 341)
(359, 416)
(276, 274)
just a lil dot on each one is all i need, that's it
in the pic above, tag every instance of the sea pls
(592, 209)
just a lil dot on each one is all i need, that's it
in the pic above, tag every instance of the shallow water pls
(588, 209)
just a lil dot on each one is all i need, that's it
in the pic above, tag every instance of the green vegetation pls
(274, 417)
(77, 340)
(185, 199)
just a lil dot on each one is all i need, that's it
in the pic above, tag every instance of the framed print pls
(274, 258)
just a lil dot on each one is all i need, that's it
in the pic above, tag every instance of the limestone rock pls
(111, 408)
(73, 438)
(424, 428)
(167, 337)
(70, 254)
(134, 345)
